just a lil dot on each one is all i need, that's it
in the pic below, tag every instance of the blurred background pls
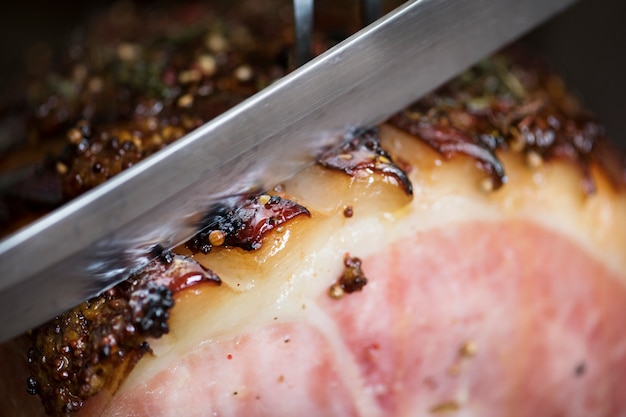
(587, 44)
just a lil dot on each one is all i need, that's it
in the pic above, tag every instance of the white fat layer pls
(282, 281)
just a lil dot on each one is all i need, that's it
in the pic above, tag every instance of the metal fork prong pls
(303, 16)
(371, 10)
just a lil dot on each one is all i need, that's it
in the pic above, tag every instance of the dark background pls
(587, 44)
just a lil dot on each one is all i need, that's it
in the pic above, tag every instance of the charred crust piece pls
(506, 102)
(95, 345)
(362, 153)
(353, 278)
(243, 222)
(178, 272)
(448, 141)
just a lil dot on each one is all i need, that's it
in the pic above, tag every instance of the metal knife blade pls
(94, 241)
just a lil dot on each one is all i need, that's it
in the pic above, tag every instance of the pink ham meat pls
(476, 303)
(421, 340)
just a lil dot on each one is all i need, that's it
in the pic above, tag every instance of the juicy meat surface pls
(516, 332)
(474, 297)
(476, 304)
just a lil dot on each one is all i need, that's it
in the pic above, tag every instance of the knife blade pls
(96, 240)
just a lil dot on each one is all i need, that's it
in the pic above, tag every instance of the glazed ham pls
(465, 258)
(501, 303)
(476, 302)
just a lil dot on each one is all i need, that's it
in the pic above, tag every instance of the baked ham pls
(466, 257)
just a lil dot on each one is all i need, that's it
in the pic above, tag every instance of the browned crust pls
(361, 152)
(94, 346)
(353, 279)
(510, 102)
(244, 222)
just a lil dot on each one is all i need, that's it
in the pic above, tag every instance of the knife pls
(96, 240)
